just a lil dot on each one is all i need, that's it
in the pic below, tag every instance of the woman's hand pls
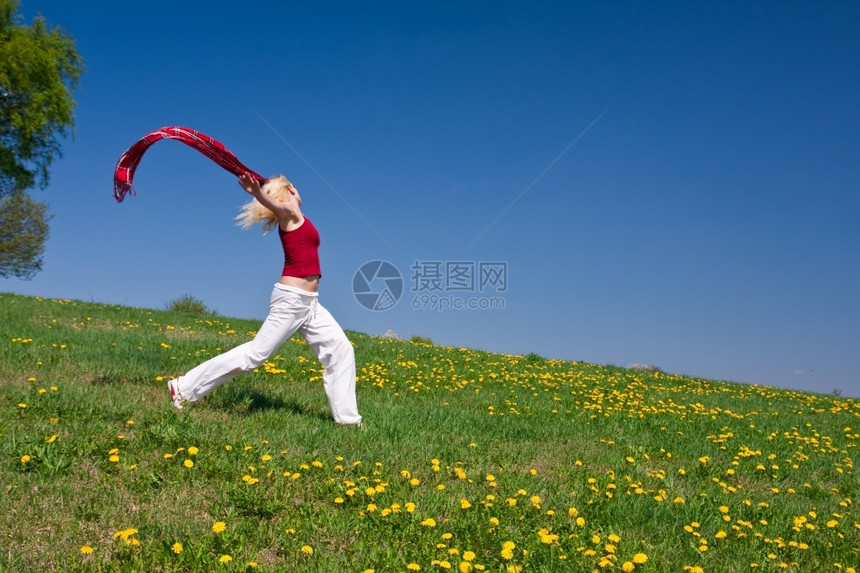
(249, 184)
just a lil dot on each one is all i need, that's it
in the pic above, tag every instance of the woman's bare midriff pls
(310, 284)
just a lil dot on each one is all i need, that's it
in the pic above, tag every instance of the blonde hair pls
(254, 212)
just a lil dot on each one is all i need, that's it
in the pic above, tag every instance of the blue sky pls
(672, 184)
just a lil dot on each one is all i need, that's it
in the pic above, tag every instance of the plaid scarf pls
(209, 147)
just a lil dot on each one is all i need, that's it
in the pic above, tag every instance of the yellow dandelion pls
(86, 550)
(219, 527)
(464, 504)
(192, 450)
(188, 464)
(125, 533)
(176, 548)
(548, 538)
(25, 459)
(307, 550)
(413, 567)
(640, 558)
(627, 567)
(225, 559)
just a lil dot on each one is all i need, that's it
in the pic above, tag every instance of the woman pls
(293, 308)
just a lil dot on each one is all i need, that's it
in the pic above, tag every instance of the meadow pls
(469, 461)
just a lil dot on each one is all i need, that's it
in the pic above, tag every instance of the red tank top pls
(301, 250)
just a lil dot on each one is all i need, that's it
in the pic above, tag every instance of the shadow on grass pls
(247, 401)
(117, 378)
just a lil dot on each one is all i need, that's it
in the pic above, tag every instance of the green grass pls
(471, 461)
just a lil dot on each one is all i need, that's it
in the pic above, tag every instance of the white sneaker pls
(175, 397)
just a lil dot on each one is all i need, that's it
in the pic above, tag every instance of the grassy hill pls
(471, 461)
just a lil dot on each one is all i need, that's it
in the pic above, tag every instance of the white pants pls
(290, 310)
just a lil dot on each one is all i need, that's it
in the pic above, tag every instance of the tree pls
(23, 230)
(39, 68)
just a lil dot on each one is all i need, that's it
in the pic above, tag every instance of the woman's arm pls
(284, 211)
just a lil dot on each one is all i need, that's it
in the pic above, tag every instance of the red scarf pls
(209, 147)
